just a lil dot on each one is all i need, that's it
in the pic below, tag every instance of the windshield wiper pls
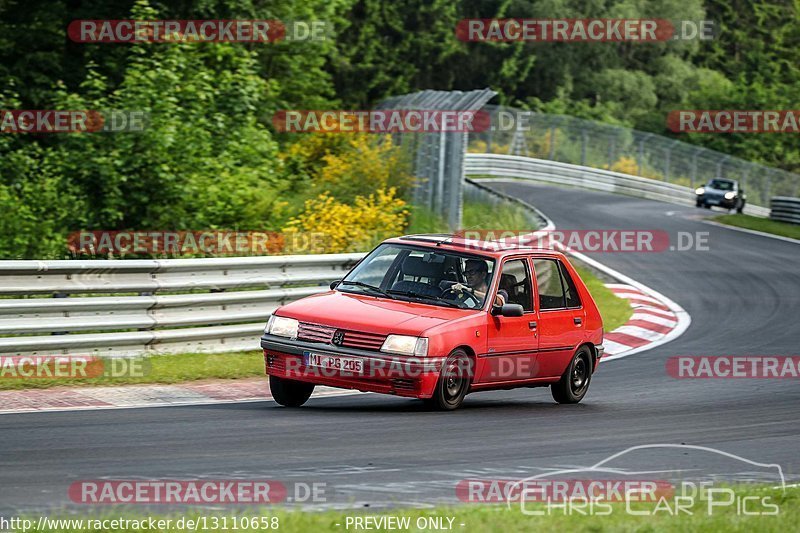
(411, 294)
(367, 286)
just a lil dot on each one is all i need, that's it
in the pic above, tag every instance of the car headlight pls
(282, 327)
(700, 190)
(406, 345)
(730, 195)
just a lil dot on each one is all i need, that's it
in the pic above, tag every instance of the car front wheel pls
(454, 381)
(288, 392)
(574, 384)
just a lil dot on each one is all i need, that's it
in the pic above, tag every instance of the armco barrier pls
(785, 209)
(553, 172)
(119, 308)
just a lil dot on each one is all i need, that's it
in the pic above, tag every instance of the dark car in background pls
(721, 192)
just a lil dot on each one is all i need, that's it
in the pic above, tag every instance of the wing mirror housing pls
(334, 284)
(508, 310)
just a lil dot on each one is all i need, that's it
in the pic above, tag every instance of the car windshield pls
(419, 274)
(722, 185)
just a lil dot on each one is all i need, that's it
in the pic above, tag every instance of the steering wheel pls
(463, 297)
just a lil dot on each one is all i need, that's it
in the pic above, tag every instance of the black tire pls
(707, 206)
(290, 393)
(699, 203)
(454, 381)
(574, 384)
(740, 209)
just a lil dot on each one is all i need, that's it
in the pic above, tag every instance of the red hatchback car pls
(436, 317)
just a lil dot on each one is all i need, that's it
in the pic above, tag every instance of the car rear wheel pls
(288, 392)
(572, 386)
(454, 381)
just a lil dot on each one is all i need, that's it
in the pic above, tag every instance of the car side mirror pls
(334, 284)
(508, 310)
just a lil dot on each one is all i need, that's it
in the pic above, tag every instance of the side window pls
(515, 279)
(570, 292)
(548, 279)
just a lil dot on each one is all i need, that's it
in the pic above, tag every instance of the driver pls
(476, 272)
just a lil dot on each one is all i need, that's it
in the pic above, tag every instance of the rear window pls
(556, 288)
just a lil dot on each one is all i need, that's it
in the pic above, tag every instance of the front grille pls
(315, 332)
(351, 339)
(276, 363)
(408, 385)
(364, 341)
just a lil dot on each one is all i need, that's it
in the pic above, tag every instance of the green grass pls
(475, 215)
(511, 217)
(487, 518)
(163, 369)
(766, 225)
(614, 310)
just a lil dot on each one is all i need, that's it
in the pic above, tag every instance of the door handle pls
(532, 324)
(578, 321)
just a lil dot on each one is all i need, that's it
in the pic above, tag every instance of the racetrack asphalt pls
(743, 296)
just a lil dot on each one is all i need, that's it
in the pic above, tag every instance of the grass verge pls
(615, 311)
(164, 369)
(487, 518)
(766, 225)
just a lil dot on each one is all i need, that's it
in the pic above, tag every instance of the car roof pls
(458, 243)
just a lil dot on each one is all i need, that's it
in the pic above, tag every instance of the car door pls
(560, 316)
(512, 341)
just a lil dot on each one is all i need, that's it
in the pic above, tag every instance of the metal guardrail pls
(785, 209)
(554, 172)
(588, 143)
(63, 307)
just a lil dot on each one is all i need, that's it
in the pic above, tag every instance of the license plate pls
(334, 362)
(713, 202)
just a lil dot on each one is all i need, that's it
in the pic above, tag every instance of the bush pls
(330, 226)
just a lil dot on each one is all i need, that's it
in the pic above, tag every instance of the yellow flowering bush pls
(628, 165)
(327, 225)
(348, 164)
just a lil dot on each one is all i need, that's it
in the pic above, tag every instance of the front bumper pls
(413, 377)
(720, 201)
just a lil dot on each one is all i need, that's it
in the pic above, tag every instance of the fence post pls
(693, 177)
(584, 142)
(719, 166)
(612, 148)
(640, 160)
